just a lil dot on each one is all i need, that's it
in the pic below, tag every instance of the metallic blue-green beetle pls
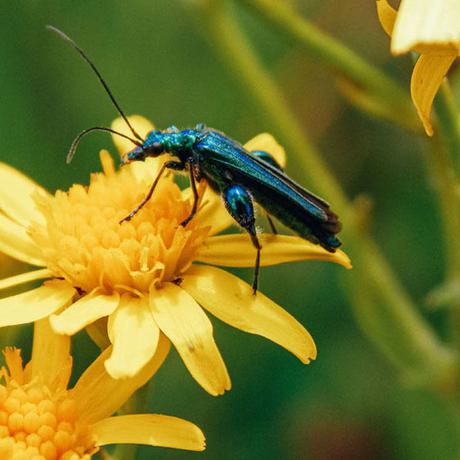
(239, 176)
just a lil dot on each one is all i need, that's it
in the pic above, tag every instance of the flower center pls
(38, 425)
(84, 242)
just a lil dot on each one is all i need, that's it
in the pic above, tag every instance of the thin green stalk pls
(421, 349)
(135, 405)
(447, 188)
(448, 124)
(385, 92)
(446, 160)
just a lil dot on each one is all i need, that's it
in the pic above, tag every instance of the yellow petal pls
(387, 16)
(51, 360)
(98, 395)
(84, 311)
(134, 335)
(232, 301)
(267, 143)
(212, 212)
(149, 429)
(25, 278)
(147, 170)
(97, 331)
(139, 123)
(13, 361)
(238, 251)
(16, 243)
(183, 321)
(35, 304)
(108, 165)
(430, 26)
(17, 193)
(429, 71)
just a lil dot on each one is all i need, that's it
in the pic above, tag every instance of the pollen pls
(84, 242)
(37, 423)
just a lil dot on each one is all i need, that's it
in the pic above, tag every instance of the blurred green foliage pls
(346, 405)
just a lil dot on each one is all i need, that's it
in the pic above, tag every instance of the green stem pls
(445, 159)
(448, 124)
(136, 404)
(447, 189)
(421, 350)
(395, 101)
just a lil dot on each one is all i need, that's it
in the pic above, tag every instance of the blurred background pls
(158, 61)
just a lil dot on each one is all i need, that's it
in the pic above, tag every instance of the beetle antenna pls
(76, 141)
(99, 76)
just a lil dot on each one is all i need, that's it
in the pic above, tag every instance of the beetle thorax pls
(177, 143)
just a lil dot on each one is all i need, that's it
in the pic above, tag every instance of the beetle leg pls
(267, 158)
(272, 224)
(176, 165)
(195, 198)
(239, 204)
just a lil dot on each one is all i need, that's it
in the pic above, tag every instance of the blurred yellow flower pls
(41, 419)
(141, 274)
(431, 28)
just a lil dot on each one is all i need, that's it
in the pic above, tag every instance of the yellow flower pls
(41, 419)
(142, 275)
(431, 28)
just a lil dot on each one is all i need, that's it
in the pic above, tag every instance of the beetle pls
(239, 176)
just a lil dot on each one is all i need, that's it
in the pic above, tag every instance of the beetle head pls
(153, 146)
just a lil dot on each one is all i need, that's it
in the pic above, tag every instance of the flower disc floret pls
(37, 423)
(84, 242)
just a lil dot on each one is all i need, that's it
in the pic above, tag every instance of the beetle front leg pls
(175, 165)
(239, 204)
(195, 198)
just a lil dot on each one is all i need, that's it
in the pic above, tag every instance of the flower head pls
(42, 419)
(431, 28)
(137, 282)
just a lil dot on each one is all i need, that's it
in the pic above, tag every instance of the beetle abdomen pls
(301, 222)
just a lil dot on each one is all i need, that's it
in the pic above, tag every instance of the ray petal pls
(212, 212)
(16, 243)
(134, 336)
(183, 321)
(238, 251)
(428, 26)
(149, 429)
(429, 71)
(83, 312)
(232, 301)
(267, 143)
(35, 304)
(17, 193)
(387, 16)
(50, 356)
(139, 123)
(24, 278)
(95, 384)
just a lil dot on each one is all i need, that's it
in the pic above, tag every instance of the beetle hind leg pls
(272, 225)
(256, 243)
(239, 204)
